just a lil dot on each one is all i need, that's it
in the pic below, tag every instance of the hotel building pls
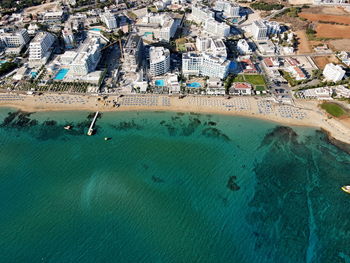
(159, 61)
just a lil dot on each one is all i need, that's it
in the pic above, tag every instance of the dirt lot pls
(321, 62)
(333, 31)
(328, 18)
(304, 46)
(340, 45)
(41, 8)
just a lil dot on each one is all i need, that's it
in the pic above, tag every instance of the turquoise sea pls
(169, 187)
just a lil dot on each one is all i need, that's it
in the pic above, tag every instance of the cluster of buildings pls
(206, 18)
(161, 27)
(228, 9)
(263, 29)
(325, 93)
(210, 59)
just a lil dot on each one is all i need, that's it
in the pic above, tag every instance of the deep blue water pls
(169, 187)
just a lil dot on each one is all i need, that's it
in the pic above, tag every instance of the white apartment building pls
(215, 28)
(88, 56)
(259, 30)
(262, 29)
(109, 20)
(53, 16)
(201, 14)
(243, 47)
(214, 46)
(229, 9)
(333, 72)
(40, 45)
(214, 66)
(210, 60)
(159, 61)
(158, 26)
(15, 39)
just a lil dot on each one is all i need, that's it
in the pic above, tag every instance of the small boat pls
(68, 127)
(346, 188)
(107, 138)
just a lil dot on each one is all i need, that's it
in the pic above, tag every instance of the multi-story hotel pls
(109, 20)
(211, 61)
(229, 9)
(159, 61)
(39, 47)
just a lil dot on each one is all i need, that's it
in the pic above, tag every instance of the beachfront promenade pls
(302, 112)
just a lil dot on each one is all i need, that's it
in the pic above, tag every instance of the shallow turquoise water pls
(169, 187)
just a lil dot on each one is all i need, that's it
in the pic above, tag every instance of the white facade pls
(15, 39)
(159, 26)
(262, 29)
(216, 28)
(333, 72)
(243, 47)
(109, 20)
(159, 60)
(88, 56)
(259, 30)
(229, 9)
(211, 61)
(201, 14)
(40, 45)
(52, 17)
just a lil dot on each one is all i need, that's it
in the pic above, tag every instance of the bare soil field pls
(340, 45)
(304, 46)
(328, 18)
(333, 31)
(321, 62)
(41, 8)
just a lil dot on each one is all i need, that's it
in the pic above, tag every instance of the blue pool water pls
(233, 66)
(95, 29)
(33, 74)
(61, 74)
(3, 61)
(159, 83)
(194, 85)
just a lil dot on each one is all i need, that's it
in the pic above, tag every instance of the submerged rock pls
(215, 133)
(231, 184)
(157, 179)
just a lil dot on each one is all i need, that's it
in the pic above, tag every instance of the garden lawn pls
(333, 109)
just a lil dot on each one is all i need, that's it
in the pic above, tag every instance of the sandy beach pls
(302, 113)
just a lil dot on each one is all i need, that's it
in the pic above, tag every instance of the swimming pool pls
(33, 74)
(95, 29)
(194, 85)
(159, 83)
(233, 66)
(61, 74)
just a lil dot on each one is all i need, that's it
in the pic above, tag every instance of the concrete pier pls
(91, 128)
